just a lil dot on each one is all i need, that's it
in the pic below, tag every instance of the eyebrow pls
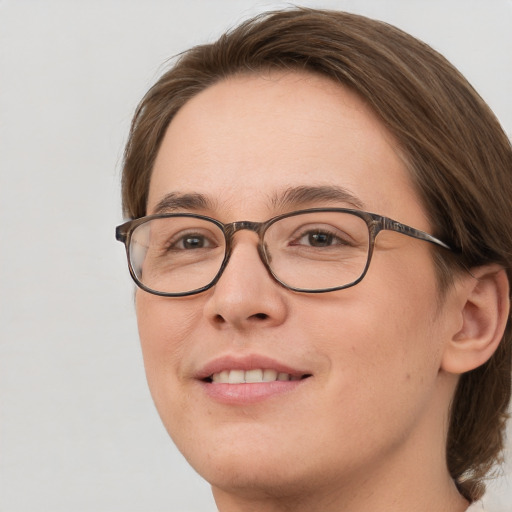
(176, 201)
(306, 195)
(292, 197)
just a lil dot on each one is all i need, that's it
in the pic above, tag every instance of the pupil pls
(193, 242)
(320, 239)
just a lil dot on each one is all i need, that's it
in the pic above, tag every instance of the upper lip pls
(247, 362)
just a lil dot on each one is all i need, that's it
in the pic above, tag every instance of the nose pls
(246, 296)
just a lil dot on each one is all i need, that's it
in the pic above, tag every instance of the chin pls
(253, 479)
(248, 463)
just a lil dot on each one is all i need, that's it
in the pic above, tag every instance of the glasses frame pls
(375, 223)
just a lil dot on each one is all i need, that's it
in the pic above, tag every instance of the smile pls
(252, 376)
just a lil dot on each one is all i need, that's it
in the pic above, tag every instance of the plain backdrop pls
(78, 430)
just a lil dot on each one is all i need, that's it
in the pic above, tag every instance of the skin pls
(367, 430)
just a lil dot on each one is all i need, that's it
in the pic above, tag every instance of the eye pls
(190, 241)
(318, 238)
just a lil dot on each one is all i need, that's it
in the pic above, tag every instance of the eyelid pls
(323, 227)
(199, 233)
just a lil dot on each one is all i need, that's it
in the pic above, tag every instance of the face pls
(364, 361)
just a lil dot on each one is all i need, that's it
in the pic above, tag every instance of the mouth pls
(233, 379)
(253, 376)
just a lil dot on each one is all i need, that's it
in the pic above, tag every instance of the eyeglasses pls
(314, 251)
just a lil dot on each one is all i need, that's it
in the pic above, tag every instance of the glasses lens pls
(176, 254)
(318, 251)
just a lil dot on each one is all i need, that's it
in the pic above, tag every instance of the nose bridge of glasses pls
(234, 227)
(256, 227)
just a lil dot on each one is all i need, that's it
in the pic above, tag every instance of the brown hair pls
(458, 156)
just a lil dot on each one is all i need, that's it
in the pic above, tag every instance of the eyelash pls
(328, 233)
(180, 238)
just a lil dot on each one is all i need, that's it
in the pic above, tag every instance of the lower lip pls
(243, 394)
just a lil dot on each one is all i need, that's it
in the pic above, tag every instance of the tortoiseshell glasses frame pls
(316, 250)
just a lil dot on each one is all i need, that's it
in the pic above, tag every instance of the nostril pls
(218, 319)
(260, 316)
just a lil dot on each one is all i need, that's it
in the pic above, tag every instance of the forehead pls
(252, 137)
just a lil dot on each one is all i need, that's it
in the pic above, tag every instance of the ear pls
(483, 303)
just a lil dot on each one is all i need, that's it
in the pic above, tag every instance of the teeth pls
(221, 377)
(250, 376)
(236, 377)
(254, 376)
(269, 375)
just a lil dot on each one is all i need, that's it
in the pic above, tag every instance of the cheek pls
(381, 338)
(164, 326)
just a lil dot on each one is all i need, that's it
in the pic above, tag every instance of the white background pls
(78, 431)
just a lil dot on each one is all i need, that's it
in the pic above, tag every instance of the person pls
(320, 234)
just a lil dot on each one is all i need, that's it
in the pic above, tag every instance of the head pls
(455, 163)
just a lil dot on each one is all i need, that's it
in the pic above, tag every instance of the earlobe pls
(484, 311)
